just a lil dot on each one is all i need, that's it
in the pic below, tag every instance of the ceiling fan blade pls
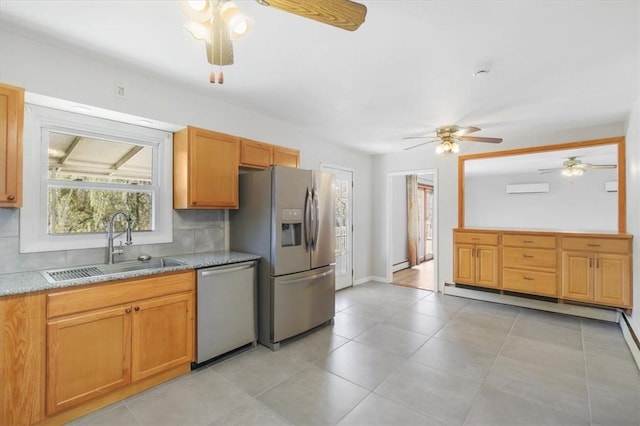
(420, 137)
(599, 166)
(344, 14)
(466, 130)
(418, 145)
(543, 171)
(479, 139)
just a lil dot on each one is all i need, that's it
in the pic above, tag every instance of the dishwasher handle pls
(226, 269)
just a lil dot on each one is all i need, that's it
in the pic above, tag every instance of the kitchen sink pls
(67, 274)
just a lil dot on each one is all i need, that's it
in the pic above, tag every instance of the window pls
(81, 169)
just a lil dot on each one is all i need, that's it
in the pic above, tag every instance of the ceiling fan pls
(572, 166)
(449, 137)
(219, 22)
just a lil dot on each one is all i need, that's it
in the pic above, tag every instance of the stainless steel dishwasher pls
(226, 303)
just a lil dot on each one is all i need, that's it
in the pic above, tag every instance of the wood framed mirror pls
(530, 188)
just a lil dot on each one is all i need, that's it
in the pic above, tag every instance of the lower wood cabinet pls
(476, 259)
(105, 338)
(601, 278)
(88, 355)
(587, 268)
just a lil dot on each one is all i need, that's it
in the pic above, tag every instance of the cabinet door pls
(11, 123)
(613, 279)
(87, 355)
(162, 334)
(213, 170)
(486, 264)
(286, 157)
(577, 275)
(255, 154)
(463, 264)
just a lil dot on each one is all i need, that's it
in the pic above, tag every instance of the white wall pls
(89, 79)
(578, 204)
(447, 195)
(633, 205)
(400, 250)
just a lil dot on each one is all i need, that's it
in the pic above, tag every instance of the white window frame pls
(39, 121)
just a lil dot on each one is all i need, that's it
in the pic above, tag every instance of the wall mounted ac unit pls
(527, 188)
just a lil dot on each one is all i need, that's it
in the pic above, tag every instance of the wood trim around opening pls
(622, 187)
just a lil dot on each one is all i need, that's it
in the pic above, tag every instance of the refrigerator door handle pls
(308, 278)
(307, 221)
(316, 225)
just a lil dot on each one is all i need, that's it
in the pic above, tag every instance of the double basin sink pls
(68, 274)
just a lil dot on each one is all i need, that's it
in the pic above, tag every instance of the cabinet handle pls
(597, 262)
(11, 197)
(527, 242)
(475, 239)
(593, 245)
(527, 256)
(590, 262)
(128, 310)
(193, 203)
(137, 308)
(528, 279)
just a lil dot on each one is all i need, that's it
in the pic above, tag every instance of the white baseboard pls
(628, 333)
(576, 310)
(368, 279)
(400, 266)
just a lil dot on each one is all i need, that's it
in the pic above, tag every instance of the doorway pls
(343, 224)
(411, 229)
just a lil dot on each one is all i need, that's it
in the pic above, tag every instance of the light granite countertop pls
(33, 281)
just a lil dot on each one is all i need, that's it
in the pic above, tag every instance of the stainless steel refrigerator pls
(286, 216)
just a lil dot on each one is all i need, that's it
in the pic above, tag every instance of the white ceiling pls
(553, 64)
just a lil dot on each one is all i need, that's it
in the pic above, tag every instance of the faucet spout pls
(110, 250)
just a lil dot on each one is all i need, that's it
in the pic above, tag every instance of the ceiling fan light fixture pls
(198, 30)
(197, 10)
(239, 24)
(573, 171)
(445, 148)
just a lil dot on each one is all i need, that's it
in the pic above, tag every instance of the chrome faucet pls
(110, 250)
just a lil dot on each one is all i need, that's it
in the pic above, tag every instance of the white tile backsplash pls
(194, 231)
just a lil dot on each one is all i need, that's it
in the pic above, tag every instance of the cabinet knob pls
(11, 197)
(128, 310)
(193, 203)
(137, 308)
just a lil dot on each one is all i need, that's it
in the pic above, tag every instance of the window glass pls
(77, 163)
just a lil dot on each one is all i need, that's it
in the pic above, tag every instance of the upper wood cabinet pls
(286, 157)
(11, 123)
(255, 154)
(262, 155)
(205, 170)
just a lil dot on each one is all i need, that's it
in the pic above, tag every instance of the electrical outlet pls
(120, 91)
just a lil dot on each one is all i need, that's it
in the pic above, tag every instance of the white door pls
(344, 225)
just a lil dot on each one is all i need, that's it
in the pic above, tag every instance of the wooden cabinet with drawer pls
(105, 337)
(476, 258)
(597, 270)
(529, 264)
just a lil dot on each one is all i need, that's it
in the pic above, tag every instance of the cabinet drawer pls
(543, 283)
(476, 238)
(535, 241)
(514, 257)
(67, 302)
(600, 245)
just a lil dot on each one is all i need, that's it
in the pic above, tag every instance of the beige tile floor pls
(403, 356)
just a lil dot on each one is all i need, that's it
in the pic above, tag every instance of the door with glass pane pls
(344, 225)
